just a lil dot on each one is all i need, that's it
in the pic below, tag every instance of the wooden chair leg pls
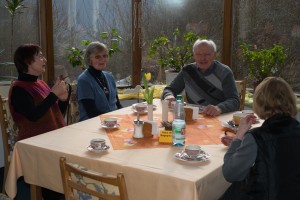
(4, 178)
(35, 192)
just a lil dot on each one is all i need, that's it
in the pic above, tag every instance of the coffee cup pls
(110, 122)
(97, 144)
(140, 107)
(248, 112)
(237, 117)
(192, 150)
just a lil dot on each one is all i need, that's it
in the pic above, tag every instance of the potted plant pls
(262, 63)
(173, 53)
(76, 55)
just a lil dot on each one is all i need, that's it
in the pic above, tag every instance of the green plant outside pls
(264, 62)
(15, 8)
(75, 55)
(174, 53)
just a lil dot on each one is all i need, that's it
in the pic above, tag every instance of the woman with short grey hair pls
(96, 89)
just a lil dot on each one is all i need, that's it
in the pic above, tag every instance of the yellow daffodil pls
(148, 76)
(148, 93)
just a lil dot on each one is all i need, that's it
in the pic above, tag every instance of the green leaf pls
(264, 62)
(75, 54)
(173, 52)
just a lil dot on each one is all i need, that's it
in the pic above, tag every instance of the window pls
(77, 20)
(25, 29)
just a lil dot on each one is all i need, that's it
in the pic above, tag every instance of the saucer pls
(106, 147)
(115, 126)
(144, 112)
(229, 126)
(201, 157)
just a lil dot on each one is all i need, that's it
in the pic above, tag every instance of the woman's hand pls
(60, 89)
(226, 140)
(245, 125)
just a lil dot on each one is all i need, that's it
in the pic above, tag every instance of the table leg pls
(35, 192)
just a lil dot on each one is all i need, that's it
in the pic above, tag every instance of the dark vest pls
(51, 120)
(276, 172)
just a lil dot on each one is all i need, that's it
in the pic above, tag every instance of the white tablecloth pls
(149, 173)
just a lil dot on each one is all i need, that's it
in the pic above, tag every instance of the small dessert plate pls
(143, 112)
(201, 157)
(105, 148)
(115, 126)
(229, 126)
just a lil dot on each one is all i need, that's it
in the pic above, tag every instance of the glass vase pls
(150, 112)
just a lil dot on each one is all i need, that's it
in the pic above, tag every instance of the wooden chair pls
(79, 181)
(73, 109)
(241, 88)
(9, 134)
(4, 197)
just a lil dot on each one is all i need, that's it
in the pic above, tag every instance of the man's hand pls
(212, 110)
(170, 98)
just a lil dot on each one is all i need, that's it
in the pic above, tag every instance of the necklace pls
(102, 86)
(100, 83)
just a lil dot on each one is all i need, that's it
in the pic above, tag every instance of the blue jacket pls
(88, 88)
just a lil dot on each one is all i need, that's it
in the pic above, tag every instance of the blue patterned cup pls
(97, 144)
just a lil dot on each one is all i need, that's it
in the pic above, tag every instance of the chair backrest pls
(78, 181)
(4, 197)
(132, 93)
(241, 88)
(9, 133)
(73, 109)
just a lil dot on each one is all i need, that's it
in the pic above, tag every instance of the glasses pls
(40, 56)
(105, 56)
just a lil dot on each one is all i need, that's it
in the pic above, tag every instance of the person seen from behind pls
(263, 163)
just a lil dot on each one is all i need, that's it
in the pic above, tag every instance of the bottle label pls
(179, 131)
(178, 134)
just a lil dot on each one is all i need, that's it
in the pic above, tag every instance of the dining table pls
(151, 172)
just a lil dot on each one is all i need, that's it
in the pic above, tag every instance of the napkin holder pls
(191, 113)
(150, 128)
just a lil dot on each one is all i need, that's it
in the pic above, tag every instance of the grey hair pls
(93, 47)
(207, 42)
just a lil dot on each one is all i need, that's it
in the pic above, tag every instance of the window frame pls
(46, 35)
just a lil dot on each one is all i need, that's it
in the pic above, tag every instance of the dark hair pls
(24, 56)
